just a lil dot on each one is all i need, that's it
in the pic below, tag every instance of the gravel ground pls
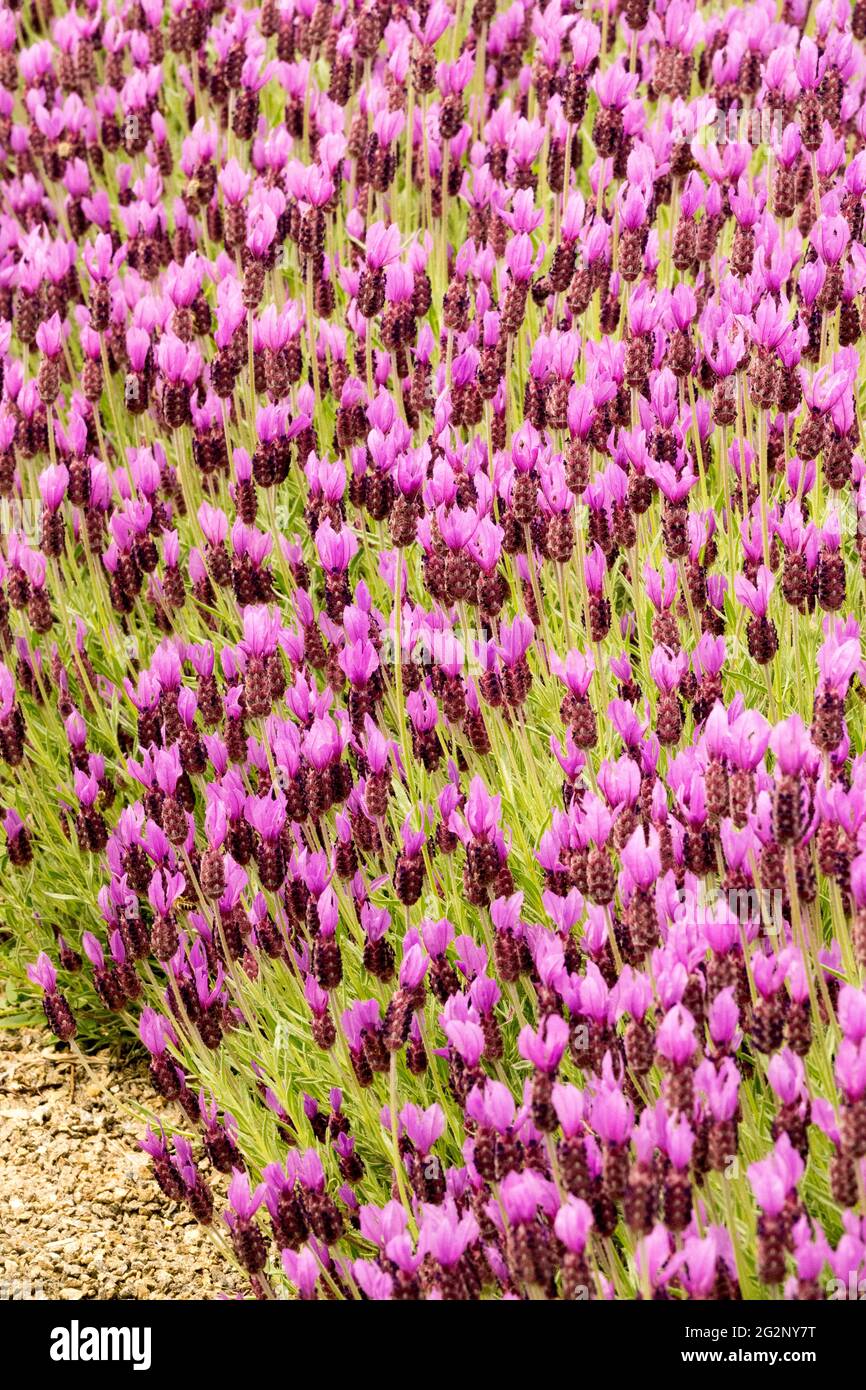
(80, 1214)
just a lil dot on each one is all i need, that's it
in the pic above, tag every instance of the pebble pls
(86, 1219)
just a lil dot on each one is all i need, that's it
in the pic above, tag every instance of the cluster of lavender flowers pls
(431, 685)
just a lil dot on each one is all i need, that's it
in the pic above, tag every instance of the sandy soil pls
(80, 1214)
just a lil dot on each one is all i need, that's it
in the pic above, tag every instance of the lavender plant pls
(431, 698)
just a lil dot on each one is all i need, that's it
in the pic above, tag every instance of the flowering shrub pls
(431, 699)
